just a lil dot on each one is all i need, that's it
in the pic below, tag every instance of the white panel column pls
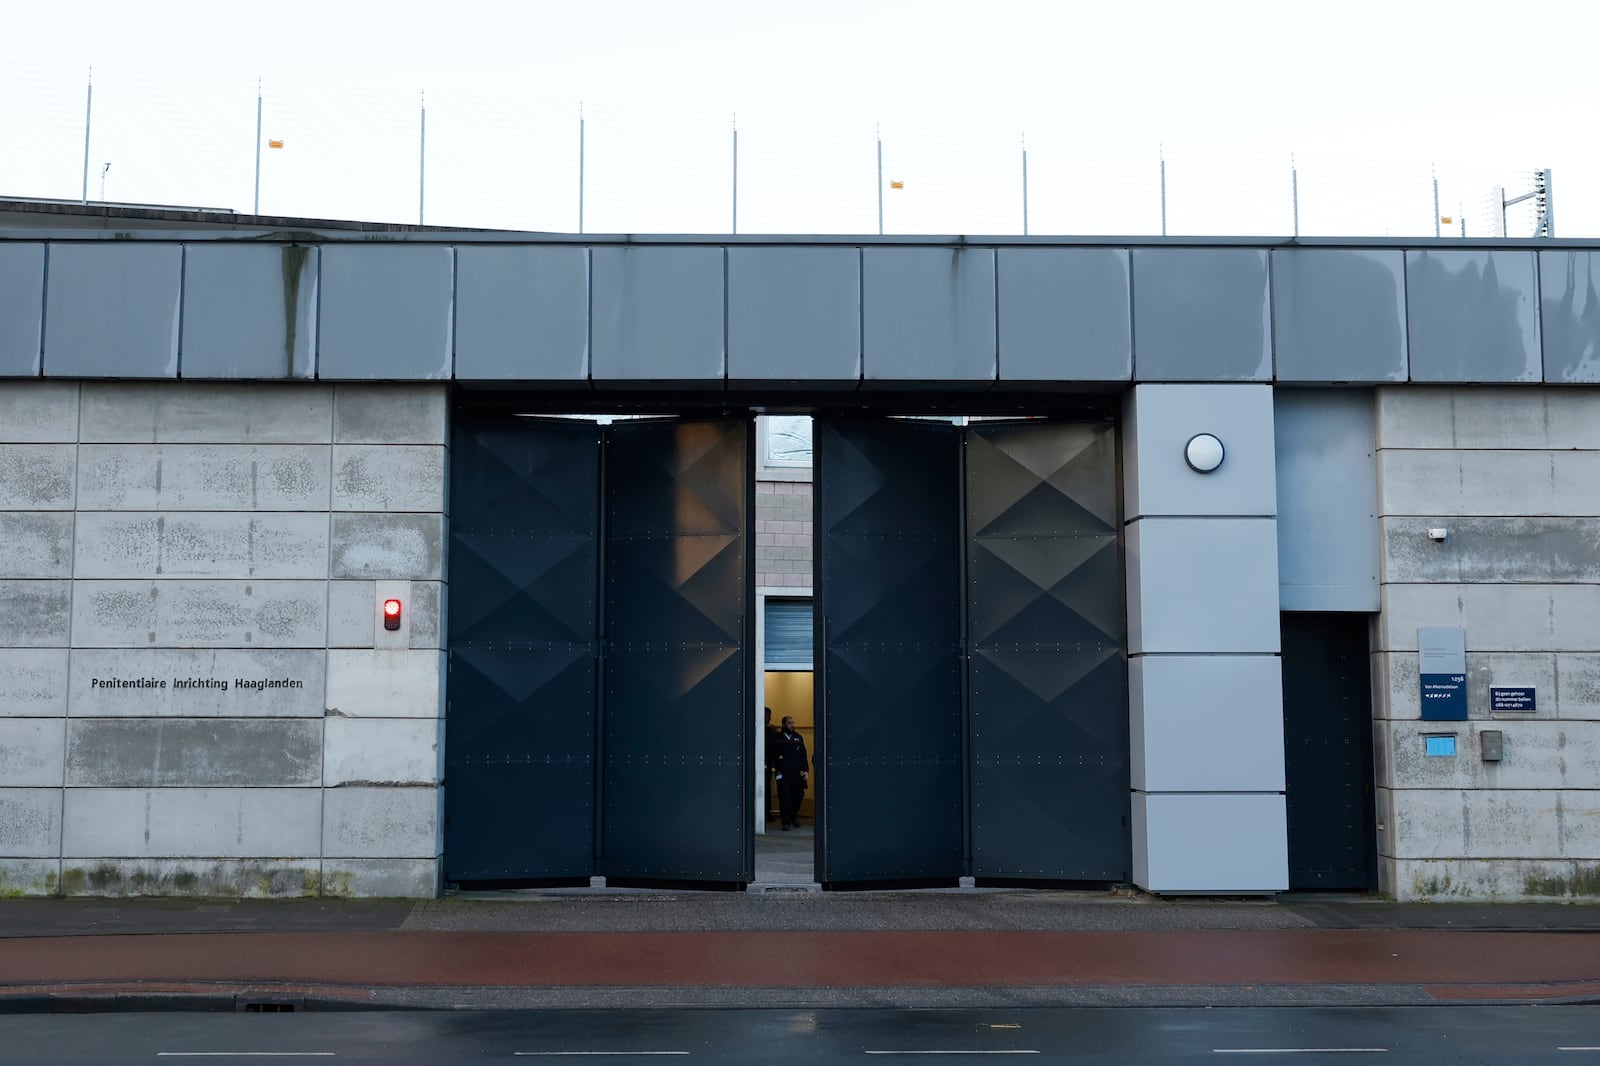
(1205, 678)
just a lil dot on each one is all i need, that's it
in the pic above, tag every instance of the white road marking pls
(1595, 1048)
(242, 1054)
(953, 1052)
(1298, 1050)
(599, 1052)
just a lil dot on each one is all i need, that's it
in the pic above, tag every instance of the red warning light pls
(391, 614)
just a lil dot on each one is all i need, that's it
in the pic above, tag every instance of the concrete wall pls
(196, 694)
(1513, 475)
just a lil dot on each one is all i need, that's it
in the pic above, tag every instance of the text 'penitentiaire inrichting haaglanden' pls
(243, 684)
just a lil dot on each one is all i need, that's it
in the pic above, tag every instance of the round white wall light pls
(1204, 453)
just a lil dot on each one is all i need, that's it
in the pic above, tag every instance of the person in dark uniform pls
(773, 732)
(793, 771)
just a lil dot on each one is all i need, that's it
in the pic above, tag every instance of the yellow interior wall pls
(789, 692)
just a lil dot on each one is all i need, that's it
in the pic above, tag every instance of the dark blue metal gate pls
(1048, 673)
(520, 724)
(680, 629)
(973, 688)
(550, 680)
(889, 690)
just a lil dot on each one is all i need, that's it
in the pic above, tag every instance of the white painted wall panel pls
(1207, 723)
(1212, 842)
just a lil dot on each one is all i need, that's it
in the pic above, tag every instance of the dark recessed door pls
(1327, 734)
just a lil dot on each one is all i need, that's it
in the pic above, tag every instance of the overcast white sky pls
(1360, 92)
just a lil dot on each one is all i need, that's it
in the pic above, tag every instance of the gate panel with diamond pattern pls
(889, 694)
(678, 740)
(530, 672)
(519, 732)
(1048, 675)
(1020, 750)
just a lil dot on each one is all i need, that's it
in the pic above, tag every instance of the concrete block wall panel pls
(1537, 482)
(30, 822)
(225, 823)
(1339, 315)
(33, 682)
(32, 753)
(383, 751)
(1205, 691)
(385, 684)
(1500, 617)
(393, 546)
(387, 312)
(1488, 418)
(119, 877)
(189, 753)
(1569, 316)
(794, 315)
(170, 720)
(38, 431)
(352, 620)
(1064, 314)
(212, 413)
(522, 313)
(38, 543)
(1550, 753)
(35, 614)
(928, 315)
(113, 310)
(249, 311)
(1537, 880)
(429, 602)
(45, 412)
(391, 414)
(199, 614)
(21, 309)
(382, 877)
(30, 877)
(1473, 316)
(388, 477)
(1201, 314)
(657, 314)
(1327, 485)
(203, 477)
(1510, 474)
(368, 823)
(149, 544)
(38, 477)
(1494, 550)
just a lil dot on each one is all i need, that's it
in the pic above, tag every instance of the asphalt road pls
(1423, 1036)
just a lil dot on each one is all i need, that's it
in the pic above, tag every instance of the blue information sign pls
(1502, 698)
(1444, 697)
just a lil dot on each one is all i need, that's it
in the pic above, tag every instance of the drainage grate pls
(266, 1006)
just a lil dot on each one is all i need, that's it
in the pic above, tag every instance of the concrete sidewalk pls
(591, 948)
